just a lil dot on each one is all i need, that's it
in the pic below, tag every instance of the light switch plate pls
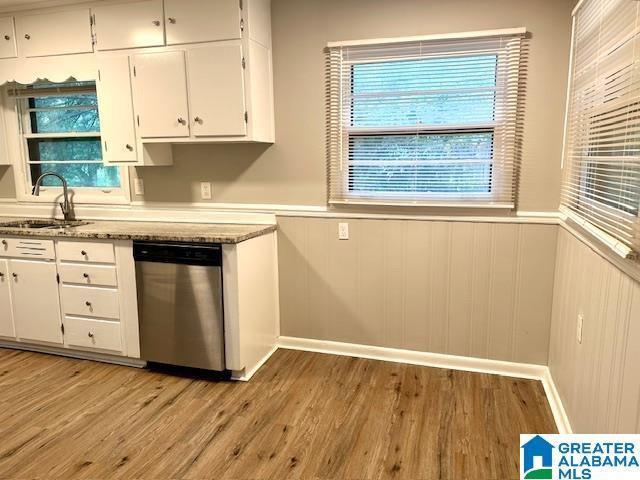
(138, 186)
(343, 231)
(205, 190)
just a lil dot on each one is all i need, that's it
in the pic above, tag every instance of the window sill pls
(424, 204)
(630, 267)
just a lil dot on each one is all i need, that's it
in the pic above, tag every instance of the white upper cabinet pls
(7, 38)
(160, 94)
(6, 315)
(129, 25)
(58, 33)
(216, 90)
(115, 107)
(192, 21)
(38, 320)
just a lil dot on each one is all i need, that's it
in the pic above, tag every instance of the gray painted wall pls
(293, 170)
(476, 289)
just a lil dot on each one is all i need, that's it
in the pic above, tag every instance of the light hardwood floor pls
(304, 415)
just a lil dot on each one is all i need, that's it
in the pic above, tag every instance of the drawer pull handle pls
(1, 275)
(27, 36)
(83, 253)
(90, 335)
(88, 304)
(4, 242)
(171, 20)
(129, 147)
(7, 37)
(15, 275)
(156, 23)
(85, 275)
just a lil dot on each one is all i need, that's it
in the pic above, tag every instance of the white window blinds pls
(601, 175)
(425, 121)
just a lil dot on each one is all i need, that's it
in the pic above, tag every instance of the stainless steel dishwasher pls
(180, 304)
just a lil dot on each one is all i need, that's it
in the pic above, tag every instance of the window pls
(601, 170)
(428, 121)
(61, 134)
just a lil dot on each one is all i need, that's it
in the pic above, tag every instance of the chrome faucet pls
(66, 205)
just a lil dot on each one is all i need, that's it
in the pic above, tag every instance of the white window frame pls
(16, 118)
(500, 178)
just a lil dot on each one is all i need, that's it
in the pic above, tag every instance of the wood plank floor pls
(304, 415)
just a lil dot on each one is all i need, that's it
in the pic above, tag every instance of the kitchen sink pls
(43, 224)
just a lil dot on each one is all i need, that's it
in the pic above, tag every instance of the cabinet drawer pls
(90, 302)
(27, 247)
(90, 252)
(104, 276)
(87, 333)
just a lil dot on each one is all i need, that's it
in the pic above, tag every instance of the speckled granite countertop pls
(146, 231)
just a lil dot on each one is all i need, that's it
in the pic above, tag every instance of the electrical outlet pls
(343, 231)
(580, 328)
(138, 186)
(205, 190)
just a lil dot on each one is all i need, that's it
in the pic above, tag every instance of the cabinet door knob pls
(27, 36)
(83, 253)
(1, 275)
(197, 120)
(129, 147)
(15, 275)
(85, 275)
(182, 121)
(4, 242)
(156, 23)
(87, 303)
(90, 335)
(171, 20)
(7, 37)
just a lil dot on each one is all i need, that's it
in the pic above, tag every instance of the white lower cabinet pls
(91, 333)
(90, 301)
(6, 315)
(36, 301)
(76, 295)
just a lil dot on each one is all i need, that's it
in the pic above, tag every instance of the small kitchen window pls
(60, 129)
(428, 121)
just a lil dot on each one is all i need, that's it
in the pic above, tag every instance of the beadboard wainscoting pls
(598, 379)
(472, 289)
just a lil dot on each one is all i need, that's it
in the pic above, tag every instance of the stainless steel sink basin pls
(43, 224)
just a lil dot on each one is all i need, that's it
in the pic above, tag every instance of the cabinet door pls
(57, 33)
(129, 25)
(7, 38)
(160, 94)
(216, 90)
(115, 106)
(191, 21)
(6, 315)
(36, 302)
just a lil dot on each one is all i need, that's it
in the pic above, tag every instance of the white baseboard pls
(555, 403)
(244, 376)
(438, 360)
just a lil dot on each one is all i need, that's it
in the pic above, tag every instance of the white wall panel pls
(597, 379)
